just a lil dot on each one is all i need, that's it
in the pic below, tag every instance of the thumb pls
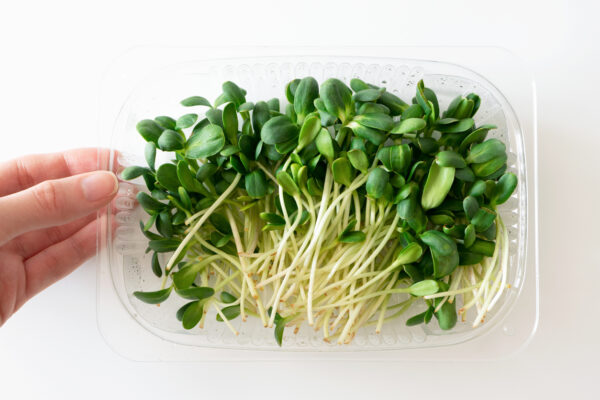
(55, 202)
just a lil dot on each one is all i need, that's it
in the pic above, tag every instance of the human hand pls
(48, 207)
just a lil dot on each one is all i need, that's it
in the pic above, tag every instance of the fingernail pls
(99, 185)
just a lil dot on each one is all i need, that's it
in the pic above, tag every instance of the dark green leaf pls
(166, 122)
(368, 94)
(309, 131)
(230, 123)
(195, 101)
(164, 245)
(376, 181)
(504, 188)
(208, 142)
(410, 210)
(337, 98)
(150, 154)
(260, 115)
(148, 203)
(352, 237)
(256, 184)
(443, 252)
(446, 316)
(279, 129)
(461, 126)
(408, 125)
(342, 171)
(234, 93)
(195, 293)
(153, 297)
(170, 141)
(306, 93)
(186, 121)
(438, 184)
(477, 136)
(193, 314)
(486, 151)
(378, 121)
(483, 219)
(470, 206)
(450, 158)
(166, 175)
(149, 130)
(469, 235)
(221, 223)
(133, 172)
(231, 312)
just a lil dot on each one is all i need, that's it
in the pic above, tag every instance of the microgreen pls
(320, 209)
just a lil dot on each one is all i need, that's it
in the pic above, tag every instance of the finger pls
(31, 243)
(55, 202)
(25, 172)
(59, 260)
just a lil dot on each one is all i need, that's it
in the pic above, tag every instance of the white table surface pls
(52, 57)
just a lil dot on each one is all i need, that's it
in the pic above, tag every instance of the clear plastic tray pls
(141, 331)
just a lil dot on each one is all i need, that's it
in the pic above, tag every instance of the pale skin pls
(48, 208)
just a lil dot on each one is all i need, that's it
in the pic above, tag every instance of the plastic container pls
(144, 89)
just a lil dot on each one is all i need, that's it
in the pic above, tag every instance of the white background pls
(52, 55)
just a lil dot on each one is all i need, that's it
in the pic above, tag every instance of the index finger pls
(24, 172)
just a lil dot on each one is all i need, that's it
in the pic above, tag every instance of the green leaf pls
(256, 184)
(230, 123)
(378, 121)
(396, 158)
(352, 237)
(450, 158)
(368, 94)
(438, 184)
(279, 129)
(231, 312)
(181, 311)
(461, 126)
(414, 111)
(153, 297)
(483, 247)
(309, 131)
(337, 98)
(342, 171)
(186, 121)
(504, 188)
(272, 218)
(485, 169)
(410, 210)
(469, 235)
(227, 298)
(470, 206)
(464, 109)
(477, 136)
(207, 142)
(372, 135)
(324, 144)
(195, 101)
(486, 151)
(483, 219)
(376, 181)
(274, 104)
(166, 175)
(133, 172)
(164, 245)
(260, 116)
(149, 130)
(408, 125)
(416, 319)
(215, 117)
(229, 150)
(306, 93)
(156, 268)
(234, 93)
(393, 103)
(443, 252)
(221, 223)
(150, 154)
(287, 183)
(424, 288)
(166, 122)
(171, 141)
(290, 90)
(163, 224)
(421, 98)
(359, 160)
(287, 147)
(367, 108)
(446, 315)
(409, 254)
(465, 174)
(195, 293)
(193, 314)
(246, 107)
(148, 203)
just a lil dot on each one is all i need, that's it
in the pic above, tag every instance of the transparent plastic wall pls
(135, 89)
